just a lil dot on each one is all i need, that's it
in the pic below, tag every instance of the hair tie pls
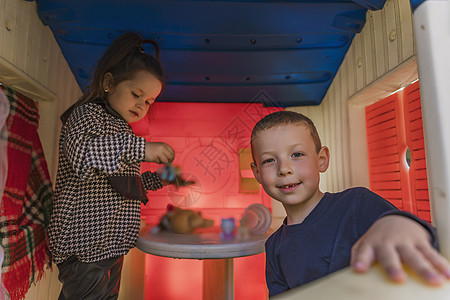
(153, 43)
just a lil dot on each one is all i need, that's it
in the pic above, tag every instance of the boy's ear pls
(107, 81)
(256, 172)
(324, 158)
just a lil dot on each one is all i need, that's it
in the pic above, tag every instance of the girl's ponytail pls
(123, 58)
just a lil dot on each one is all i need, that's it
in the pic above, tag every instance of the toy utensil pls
(173, 175)
(168, 172)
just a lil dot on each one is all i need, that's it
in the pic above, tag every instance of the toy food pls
(180, 220)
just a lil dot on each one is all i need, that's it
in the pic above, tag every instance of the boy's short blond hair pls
(285, 117)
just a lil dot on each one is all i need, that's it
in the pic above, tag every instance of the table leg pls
(218, 279)
(229, 279)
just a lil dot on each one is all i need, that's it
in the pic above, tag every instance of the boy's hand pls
(160, 153)
(393, 240)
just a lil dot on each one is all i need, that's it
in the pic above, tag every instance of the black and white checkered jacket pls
(90, 219)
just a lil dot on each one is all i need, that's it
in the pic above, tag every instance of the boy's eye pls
(269, 160)
(135, 95)
(297, 154)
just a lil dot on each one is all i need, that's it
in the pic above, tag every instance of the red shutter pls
(415, 141)
(386, 147)
(394, 124)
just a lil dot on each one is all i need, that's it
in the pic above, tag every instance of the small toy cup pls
(257, 218)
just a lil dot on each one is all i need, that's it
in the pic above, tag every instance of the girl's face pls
(132, 98)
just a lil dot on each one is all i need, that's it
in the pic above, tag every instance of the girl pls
(96, 213)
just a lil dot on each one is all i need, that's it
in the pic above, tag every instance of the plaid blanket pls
(26, 201)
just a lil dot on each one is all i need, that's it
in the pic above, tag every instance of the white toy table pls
(206, 244)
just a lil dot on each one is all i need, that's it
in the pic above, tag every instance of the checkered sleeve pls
(151, 181)
(91, 147)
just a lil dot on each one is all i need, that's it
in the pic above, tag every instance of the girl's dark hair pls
(123, 58)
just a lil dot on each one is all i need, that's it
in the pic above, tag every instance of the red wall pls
(206, 138)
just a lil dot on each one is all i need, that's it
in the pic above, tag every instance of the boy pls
(317, 236)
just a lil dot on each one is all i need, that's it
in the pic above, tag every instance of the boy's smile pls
(288, 167)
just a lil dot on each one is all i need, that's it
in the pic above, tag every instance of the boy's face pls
(132, 98)
(287, 165)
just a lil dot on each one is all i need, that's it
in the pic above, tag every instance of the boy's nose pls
(284, 169)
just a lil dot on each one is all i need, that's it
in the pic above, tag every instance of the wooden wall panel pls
(384, 46)
(32, 63)
(385, 43)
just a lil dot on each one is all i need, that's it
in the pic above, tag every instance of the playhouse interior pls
(351, 66)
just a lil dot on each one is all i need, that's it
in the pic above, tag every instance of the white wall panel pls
(432, 31)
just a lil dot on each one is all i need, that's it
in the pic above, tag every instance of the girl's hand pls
(160, 153)
(395, 240)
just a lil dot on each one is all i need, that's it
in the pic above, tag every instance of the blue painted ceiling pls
(279, 53)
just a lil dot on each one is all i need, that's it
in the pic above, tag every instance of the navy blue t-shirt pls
(321, 244)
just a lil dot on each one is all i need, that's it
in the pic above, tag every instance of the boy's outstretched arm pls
(409, 243)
